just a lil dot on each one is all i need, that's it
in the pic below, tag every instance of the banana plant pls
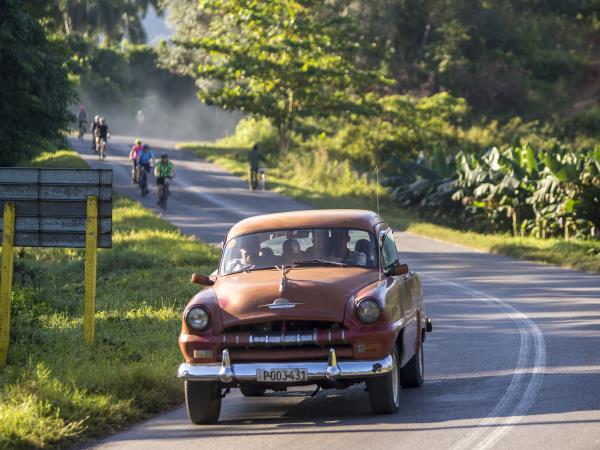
(519, 189)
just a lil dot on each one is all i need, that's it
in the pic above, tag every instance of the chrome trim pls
(226, 372)
(343, 335)
(332, 369)
(270, 339)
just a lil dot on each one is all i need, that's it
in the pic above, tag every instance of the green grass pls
(59, 159)
(323, 184)
(55, 390)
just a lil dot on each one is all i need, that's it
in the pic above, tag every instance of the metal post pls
(8, 241)
(91, 253)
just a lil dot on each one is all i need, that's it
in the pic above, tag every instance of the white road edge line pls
(503, 416)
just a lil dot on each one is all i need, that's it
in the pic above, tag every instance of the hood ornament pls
(281, 303)
(284, 281)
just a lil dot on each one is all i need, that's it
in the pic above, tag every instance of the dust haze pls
(186, 119)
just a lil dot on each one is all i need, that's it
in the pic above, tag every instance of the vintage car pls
(304, 298)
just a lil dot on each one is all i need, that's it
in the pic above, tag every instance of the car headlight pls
(368, 310)
(197, 318)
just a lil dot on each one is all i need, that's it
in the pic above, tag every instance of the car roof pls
(315, 218)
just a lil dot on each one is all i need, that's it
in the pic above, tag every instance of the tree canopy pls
(281, 59)
(112, 19)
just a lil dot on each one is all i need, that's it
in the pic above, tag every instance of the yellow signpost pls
(91, 252)
(8, 240)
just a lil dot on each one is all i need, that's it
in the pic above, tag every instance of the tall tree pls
(281, 59)
(113, 19)
(34, 86)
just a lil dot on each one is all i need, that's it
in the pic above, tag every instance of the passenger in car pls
(291, 251)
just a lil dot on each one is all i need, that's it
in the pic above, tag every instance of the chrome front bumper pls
(331, 370)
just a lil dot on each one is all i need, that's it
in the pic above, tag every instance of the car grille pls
(284, 334)
(285, 325)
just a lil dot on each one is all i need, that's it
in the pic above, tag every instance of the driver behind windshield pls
(249, 249)
(321, 248)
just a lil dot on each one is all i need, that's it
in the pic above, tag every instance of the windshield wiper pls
(320, 262)
(250, 268)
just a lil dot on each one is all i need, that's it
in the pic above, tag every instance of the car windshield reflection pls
(299, 247)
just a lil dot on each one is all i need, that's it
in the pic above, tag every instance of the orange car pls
(304, 298)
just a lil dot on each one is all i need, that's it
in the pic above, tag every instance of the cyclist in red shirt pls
(133, 156)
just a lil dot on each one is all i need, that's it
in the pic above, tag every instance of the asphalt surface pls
(513, 361)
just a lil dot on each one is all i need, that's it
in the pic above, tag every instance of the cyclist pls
(93, 127)
(102, 135)
(145, 158)
(133, 156)
(163, 171)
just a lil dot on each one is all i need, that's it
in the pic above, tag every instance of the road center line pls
(484, 437)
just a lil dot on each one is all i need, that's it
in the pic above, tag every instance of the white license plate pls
(282, 375)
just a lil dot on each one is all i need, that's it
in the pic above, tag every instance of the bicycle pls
(262, 179)
(82, 127)
(143, 179)
(134, 172)
(163, 194)
(101, 148)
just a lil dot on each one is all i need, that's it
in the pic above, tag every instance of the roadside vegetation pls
(481, 116)
(317, 180)
(56, 390)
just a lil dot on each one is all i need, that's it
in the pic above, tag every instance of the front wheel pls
(384, 391)
(203, 401)
(412, 374)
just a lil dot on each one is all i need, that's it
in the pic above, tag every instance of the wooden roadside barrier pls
(67, 208)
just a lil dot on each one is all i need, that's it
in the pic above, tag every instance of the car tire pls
(384, 391)
(253, 391)
(203, 401)
(412, 374)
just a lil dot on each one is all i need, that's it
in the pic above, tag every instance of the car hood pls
(319, 293)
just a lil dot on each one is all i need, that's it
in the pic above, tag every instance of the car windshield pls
(300, 247)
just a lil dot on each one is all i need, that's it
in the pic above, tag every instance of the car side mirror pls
(398, 269)
(202, 280)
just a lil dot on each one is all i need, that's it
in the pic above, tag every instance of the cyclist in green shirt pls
(163, 171)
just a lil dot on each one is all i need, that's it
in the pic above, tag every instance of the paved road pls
(206, 201)
(513, 362)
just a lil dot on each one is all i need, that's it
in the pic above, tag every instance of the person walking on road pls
(133, 156)
(254, 159)
(82, 121)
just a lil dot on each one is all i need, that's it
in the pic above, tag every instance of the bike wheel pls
(165, 196)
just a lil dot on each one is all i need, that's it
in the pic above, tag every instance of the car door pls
(402, 290)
